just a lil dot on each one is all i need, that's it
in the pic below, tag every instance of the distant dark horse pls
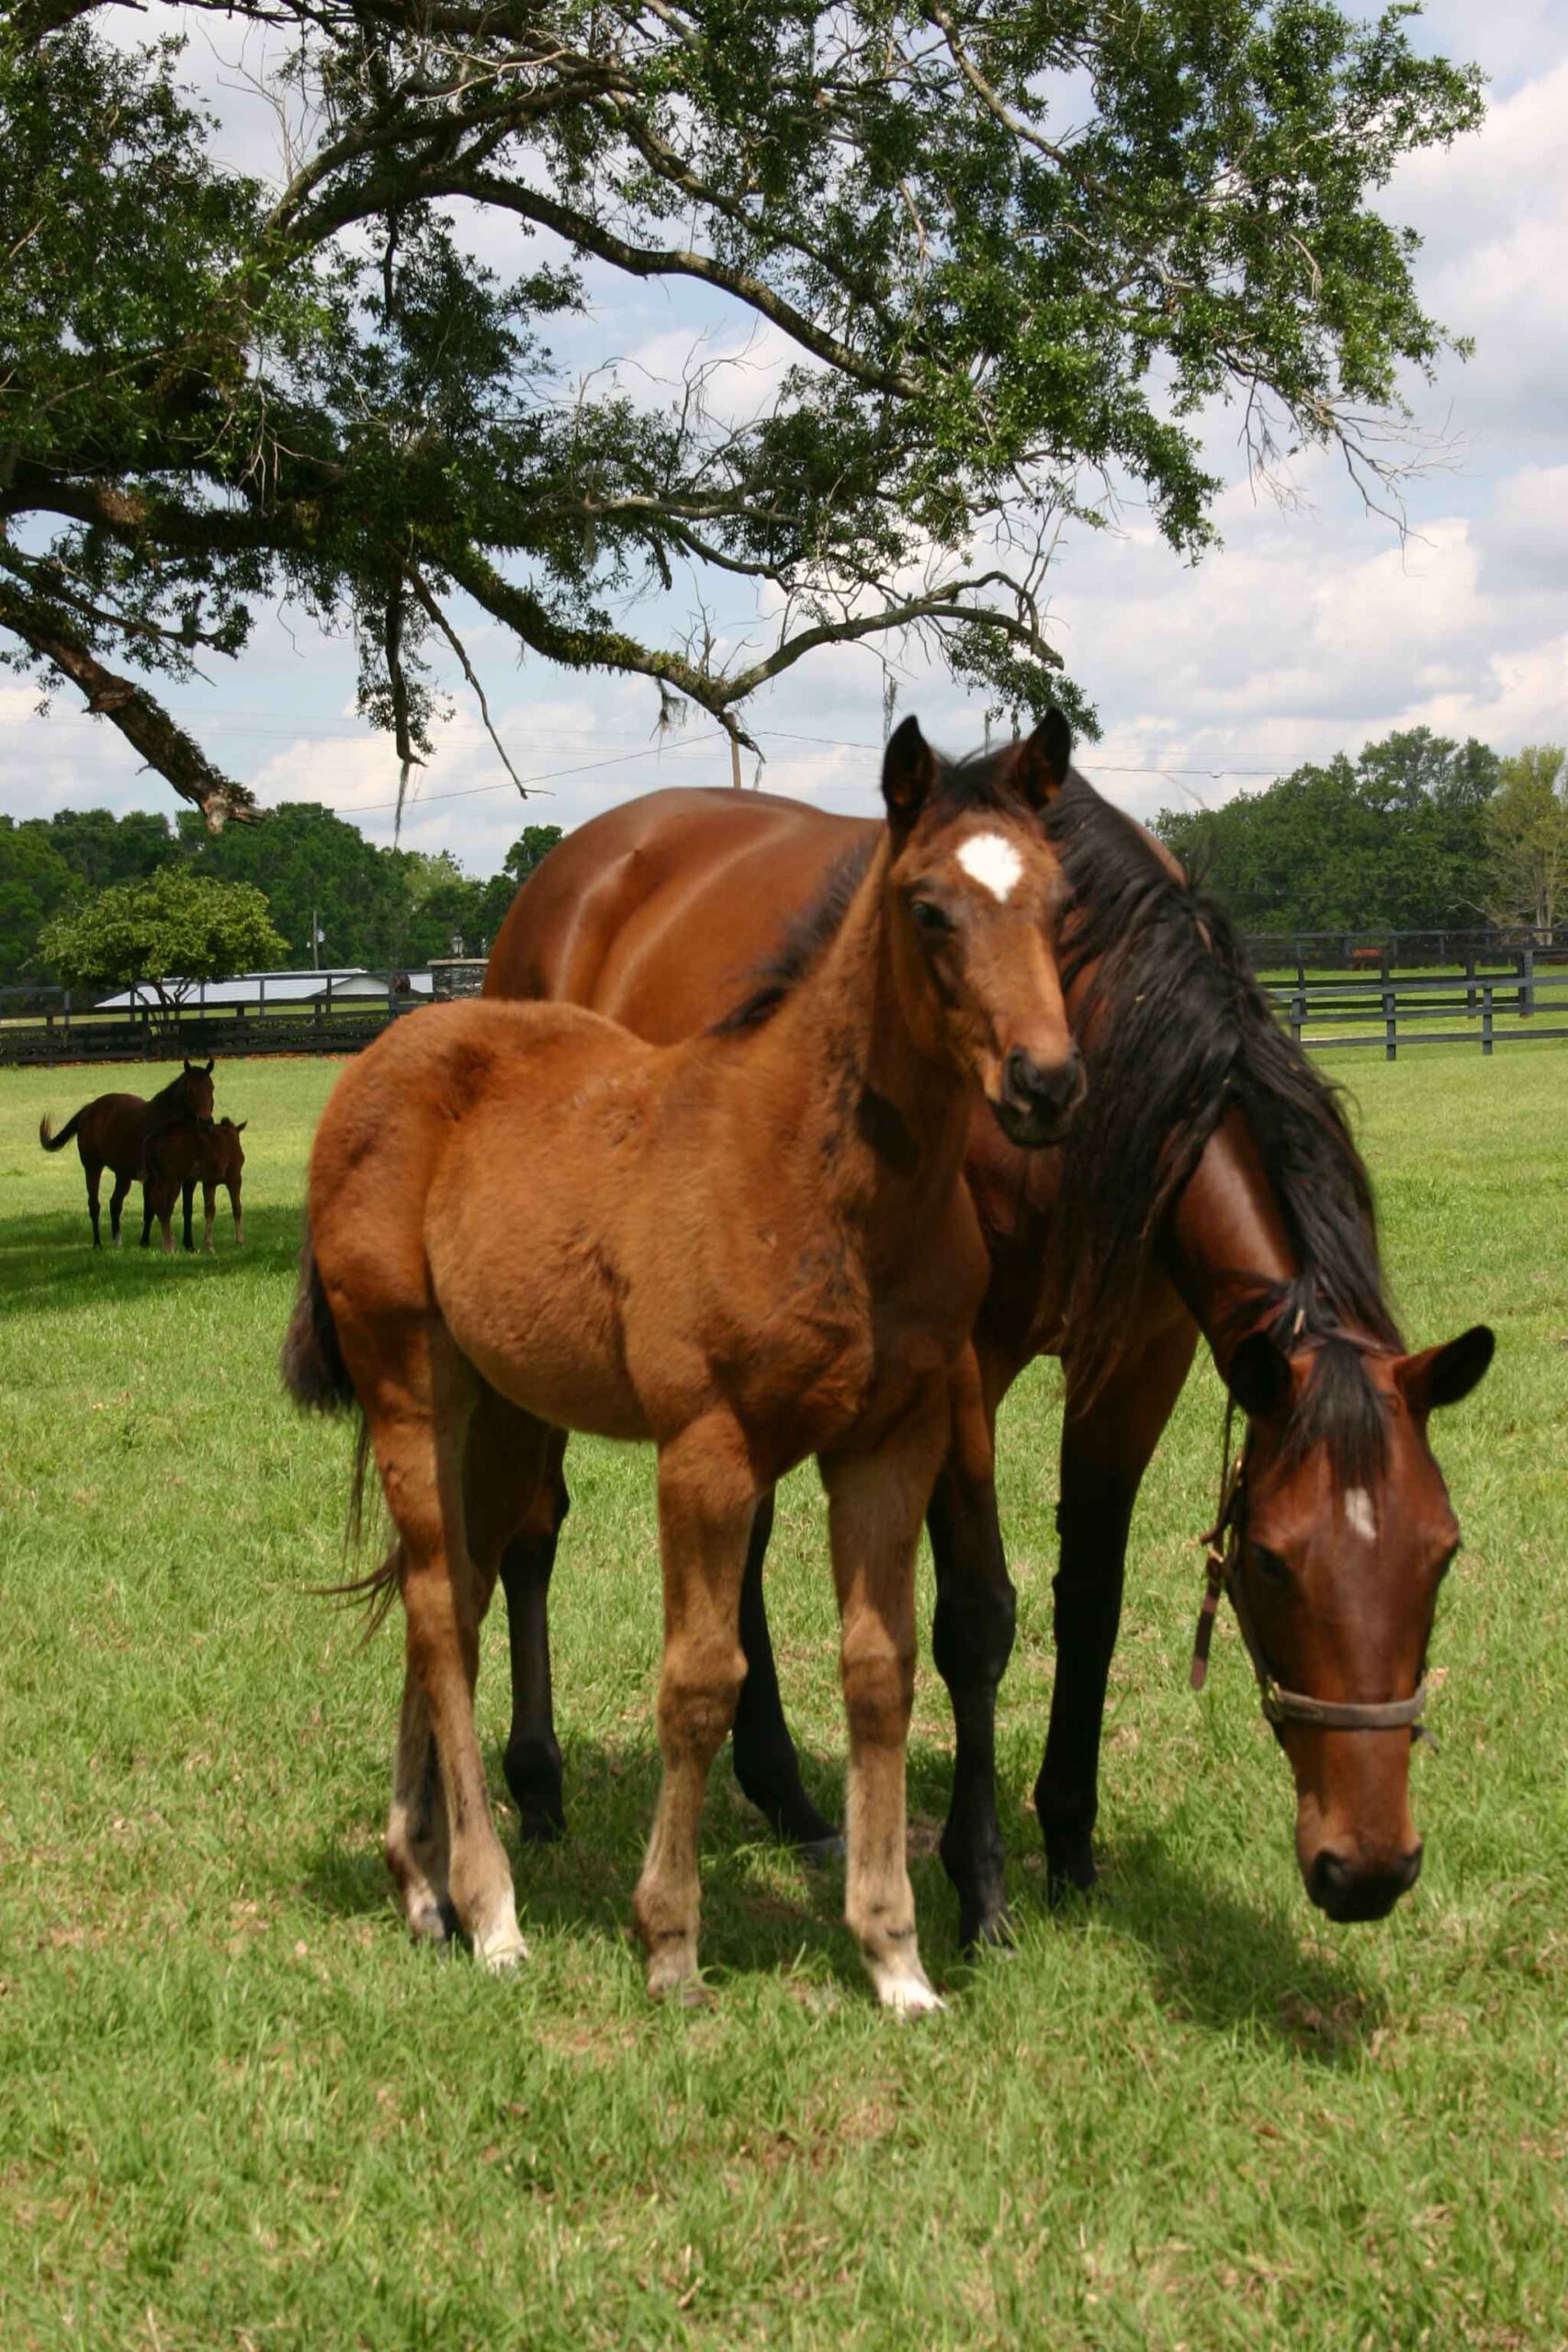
(181, 1157)
(1209, 1186)
(112, 1131)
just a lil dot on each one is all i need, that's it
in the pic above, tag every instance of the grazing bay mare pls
(1209, 1187)
(749, 1247)
(181, 1157)
(111, 1132)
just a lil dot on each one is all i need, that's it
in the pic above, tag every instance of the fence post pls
(1391, 1036)
(1527, 983)
(1298, 1012)
(1470, 978)
(1486, 1019)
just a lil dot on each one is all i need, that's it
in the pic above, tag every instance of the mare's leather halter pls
(1227, 1541)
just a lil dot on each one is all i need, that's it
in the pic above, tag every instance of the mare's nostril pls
(1329, 1881)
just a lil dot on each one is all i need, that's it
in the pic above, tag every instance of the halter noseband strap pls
(1224, 1572)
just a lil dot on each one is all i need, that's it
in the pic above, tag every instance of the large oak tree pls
(1015, 250)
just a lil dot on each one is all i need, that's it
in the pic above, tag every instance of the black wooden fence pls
(1469, 1007)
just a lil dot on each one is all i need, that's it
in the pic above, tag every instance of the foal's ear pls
(908, 772)
(1259, 1377)
(191, 1069)
(1444, 1376)
(1044, 760)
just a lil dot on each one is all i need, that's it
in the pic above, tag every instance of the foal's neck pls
(877, 1109)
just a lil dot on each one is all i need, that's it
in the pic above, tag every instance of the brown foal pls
(178, 1160)
(749, 1247)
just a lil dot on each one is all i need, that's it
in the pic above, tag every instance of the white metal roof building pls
(269, 988)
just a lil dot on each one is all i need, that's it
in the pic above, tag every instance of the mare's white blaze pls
(992, 862)
(1358, 1512)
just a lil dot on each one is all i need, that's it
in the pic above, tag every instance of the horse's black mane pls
(1175, 1033)
(981, 781)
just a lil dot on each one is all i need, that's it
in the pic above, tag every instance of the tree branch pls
(142, 722)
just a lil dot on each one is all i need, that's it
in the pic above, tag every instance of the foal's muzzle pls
(1351, 1892)
(1038, 1099)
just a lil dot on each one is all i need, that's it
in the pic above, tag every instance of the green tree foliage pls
(313, 866)
(174, 926)
(35, 882)
(1396, 840)
(1526, 836)
(1013, 252)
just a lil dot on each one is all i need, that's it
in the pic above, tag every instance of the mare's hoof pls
(540, 1825)
(1071, 1878)
(986, 1930)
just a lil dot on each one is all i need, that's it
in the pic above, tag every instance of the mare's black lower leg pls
(531, 1762)
(972, 1637)
(1105, 1452)
(187, 1198)
(146, 1216)
(766, 1763)
(1087, 1590)
(93, 1175)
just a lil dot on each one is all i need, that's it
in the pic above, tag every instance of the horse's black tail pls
(52, 1142)
(315, 1372)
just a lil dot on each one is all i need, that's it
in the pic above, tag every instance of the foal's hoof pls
(822, 1850)
(500, 1946)
(673, 1975)
(431, 1922)
(907, 1997)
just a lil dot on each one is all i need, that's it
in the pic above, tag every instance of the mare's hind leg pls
(116, 1202)
(766, 1763)
(418, 1397)
(706, 1500)
(532, 1763)
(875, 1503)
(92, 1170)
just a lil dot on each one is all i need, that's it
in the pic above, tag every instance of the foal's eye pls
(927, 916)
(1271, 1565)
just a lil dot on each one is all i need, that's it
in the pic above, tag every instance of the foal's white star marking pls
(992, 862)
(1359, 1516)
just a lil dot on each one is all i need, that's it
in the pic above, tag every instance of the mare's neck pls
(872, 1108)
(1226, 1243)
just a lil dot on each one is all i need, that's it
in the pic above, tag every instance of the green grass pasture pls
(238, 2109)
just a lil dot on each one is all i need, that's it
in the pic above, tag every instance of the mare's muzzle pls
(1038, 1099)
(1348, 1891)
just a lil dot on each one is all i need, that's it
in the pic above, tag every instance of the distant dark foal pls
(178, 1159)
(112, 1130)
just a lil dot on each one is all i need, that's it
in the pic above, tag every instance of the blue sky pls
(1309, 630)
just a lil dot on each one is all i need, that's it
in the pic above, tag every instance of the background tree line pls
(381, 908)
(1418, 833)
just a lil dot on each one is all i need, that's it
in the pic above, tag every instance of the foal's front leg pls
(707, 1498)
(875, 1503)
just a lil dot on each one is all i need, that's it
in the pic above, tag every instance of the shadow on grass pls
(762, 1907)
(50, 1260)
(1214, 1961)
